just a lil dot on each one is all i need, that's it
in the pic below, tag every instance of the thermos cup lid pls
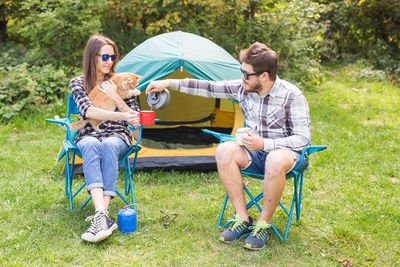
(158, 100)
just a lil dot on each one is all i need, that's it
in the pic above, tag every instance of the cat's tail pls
(77, 125)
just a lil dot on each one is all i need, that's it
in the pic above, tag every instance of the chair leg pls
(131, 172)
(254, 202)
(86, 201)
(128, 179)
(299, 197)
(122, 197)
(222, 211)
(294, 205)
(68, 181)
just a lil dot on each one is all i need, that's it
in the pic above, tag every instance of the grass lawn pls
(350, 201)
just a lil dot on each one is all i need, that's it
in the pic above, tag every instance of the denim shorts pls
(257, 161)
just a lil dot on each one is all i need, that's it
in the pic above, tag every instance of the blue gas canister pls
(127, 220)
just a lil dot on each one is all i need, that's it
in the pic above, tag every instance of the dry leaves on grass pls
(346, 263)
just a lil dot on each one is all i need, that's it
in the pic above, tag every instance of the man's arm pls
(299, 125)
(210, 89)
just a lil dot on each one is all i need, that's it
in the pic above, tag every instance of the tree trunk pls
(3, 29)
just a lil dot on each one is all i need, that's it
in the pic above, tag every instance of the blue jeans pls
(100, 162)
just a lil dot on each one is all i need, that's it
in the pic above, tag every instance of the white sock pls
(100, 208)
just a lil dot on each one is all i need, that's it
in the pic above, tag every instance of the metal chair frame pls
(70, 151)
(298, 177)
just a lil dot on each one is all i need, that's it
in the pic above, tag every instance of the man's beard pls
(255, 88)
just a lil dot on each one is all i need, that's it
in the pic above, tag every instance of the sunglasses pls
(247, 75)
(105, 57)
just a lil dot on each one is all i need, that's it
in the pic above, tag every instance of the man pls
(277, 114)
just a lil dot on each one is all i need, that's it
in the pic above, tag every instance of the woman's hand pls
(157, 86)
(110, 89)
(132, 117)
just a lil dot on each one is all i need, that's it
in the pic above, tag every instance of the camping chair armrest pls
(308, 151)
(140, 129)
(64, 123)
(221, 136)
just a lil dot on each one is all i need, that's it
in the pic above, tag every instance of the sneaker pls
(101, 228)
(259, 235)
(238, 230)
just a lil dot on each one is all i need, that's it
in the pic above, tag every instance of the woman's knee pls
(113, 146)
(89, 144)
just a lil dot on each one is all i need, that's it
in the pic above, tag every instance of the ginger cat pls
(125, 82)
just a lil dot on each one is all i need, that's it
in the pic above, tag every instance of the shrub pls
(57, 31)
(25, 88)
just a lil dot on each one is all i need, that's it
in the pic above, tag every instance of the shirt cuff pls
(174, 84)
(269, 145)
(83, 110)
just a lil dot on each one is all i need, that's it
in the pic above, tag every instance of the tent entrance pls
(181, 137)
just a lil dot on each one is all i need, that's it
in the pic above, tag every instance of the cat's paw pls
(136, 92)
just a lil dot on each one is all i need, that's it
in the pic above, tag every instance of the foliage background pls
(344, 55)
(43, 41)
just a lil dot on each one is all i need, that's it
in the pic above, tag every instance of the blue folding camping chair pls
(297, 175)
(70, 150)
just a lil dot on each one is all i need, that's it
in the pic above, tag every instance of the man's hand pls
(253, 141)
(157, 86)
(110, 89)
(132, 117)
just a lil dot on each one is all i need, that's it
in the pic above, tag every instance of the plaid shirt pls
(281, 117)
(108, 128)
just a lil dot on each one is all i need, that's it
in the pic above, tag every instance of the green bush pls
(292, 29)
(57, 31)
(25, 88)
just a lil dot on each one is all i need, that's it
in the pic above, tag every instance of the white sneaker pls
(101, 228)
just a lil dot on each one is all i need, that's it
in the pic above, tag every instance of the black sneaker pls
(259, 235)
(101, 228)
(238, 230)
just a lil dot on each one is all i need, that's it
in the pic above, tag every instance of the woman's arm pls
(95, 113)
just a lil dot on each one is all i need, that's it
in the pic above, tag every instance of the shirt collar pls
(275, 88)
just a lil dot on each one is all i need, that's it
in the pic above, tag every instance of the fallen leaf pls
(345, 263)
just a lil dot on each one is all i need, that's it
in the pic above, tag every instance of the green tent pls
(177, 141)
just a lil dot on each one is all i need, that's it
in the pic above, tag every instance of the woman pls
(102, 150)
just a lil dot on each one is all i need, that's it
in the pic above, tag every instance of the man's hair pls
(261, 58)
(89, 66)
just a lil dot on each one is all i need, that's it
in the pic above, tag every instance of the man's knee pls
(279, 161)
(229, 152)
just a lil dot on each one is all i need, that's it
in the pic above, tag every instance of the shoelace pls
(92, 228)
(257, 230)
(99, 221)
(238, 224)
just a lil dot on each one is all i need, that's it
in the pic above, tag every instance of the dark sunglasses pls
(246, 74)
(105, 57)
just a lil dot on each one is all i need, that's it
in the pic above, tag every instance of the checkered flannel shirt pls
(108, 128)
(281, 117)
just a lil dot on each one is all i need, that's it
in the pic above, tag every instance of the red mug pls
(147, 117)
